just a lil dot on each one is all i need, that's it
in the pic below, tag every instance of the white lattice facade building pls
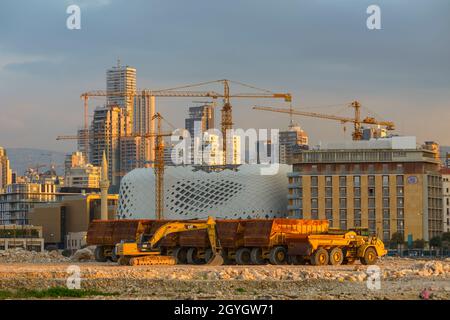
(190, 193)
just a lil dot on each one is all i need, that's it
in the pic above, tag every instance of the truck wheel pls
(243, 256)
(256, 256)
(370, 256)
(114, 257)
(99, 254)
(180, 255)
(192, 257)
(336, 256)
(320, 257)
(278, 255)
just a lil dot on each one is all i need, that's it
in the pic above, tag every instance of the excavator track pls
(152, 261)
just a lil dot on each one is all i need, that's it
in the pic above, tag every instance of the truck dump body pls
(266, 233)
(110, 232)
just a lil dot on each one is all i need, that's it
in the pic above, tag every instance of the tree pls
(446, 237)
(436, 242)
(419, 244)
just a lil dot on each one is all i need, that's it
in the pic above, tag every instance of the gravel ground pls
(399, 279)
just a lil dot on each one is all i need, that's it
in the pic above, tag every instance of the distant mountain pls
(23, 158)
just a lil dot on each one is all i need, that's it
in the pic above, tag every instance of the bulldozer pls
(147, 252)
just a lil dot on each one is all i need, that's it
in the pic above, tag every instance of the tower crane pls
(179, 92)
(356, 120)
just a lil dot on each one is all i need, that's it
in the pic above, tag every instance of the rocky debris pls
(84, 254)
(19, 255)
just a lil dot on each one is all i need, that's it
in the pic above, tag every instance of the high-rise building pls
(144, 126)
(291, 140)
(109, 125)
(387, 185)
(122, 80)
(5, 170)
(201, 118)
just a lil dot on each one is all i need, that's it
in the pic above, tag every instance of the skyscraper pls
(204, 115)
(201, 119)
(110, 123)
(5, 170)
(291, 140)
(121, 79)
(144, 110)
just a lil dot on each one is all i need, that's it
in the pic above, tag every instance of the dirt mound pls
(19, 255)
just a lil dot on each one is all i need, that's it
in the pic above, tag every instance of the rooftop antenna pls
(118, 62)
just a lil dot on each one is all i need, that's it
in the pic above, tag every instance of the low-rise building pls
(387, 185)
(72, 214)
(19, 198)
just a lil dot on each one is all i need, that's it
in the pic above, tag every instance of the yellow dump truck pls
(335, 248)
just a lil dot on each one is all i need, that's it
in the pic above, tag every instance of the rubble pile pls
(19, 255)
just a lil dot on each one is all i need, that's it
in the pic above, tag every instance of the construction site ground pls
(400, 278)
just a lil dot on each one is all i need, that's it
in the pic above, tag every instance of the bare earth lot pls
(400, 279)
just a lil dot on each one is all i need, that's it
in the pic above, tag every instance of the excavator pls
(146, 252)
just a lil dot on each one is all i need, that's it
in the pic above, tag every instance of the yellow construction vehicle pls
(146, 252)
(335, 249)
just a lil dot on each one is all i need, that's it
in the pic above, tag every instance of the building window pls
(329, 216)
(400, 191)
(357, 202)
(399, 180)
(372, 227)
(343, 224)
(342, 214)
(371, 203)
(328, 203)
(314, 181)
(328, 181)
(385, 181)
(314, 203)
(314, 192)
(399, 202)
(386, 214)
(400, 214)
(342, 203)
(400, 226)
(371, 192)
(372, 215)
(328, 192)
(371, 181)
(357, 223)
(342, 181)
(385, 202)
(357, 192)
(385, 191)
(357, 181)
(357, 214)
(314, 214)
(342, 192)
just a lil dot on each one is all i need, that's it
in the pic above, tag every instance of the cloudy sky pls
(319, 50)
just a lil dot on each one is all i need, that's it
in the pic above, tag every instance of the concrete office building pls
(446, 199)
(387, 185)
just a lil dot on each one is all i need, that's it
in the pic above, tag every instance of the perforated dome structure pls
(190, 193)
